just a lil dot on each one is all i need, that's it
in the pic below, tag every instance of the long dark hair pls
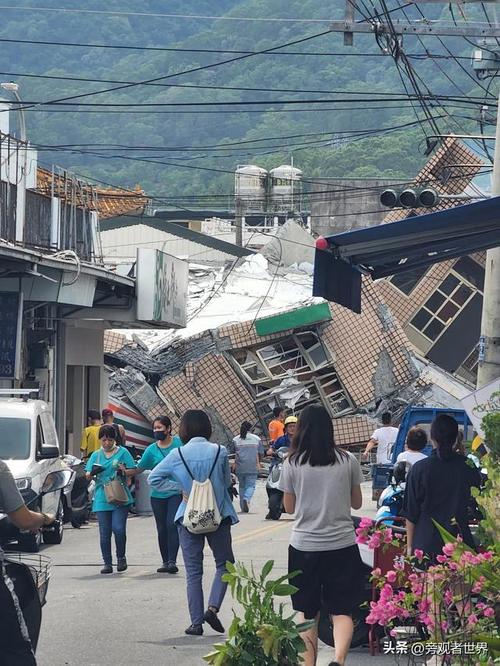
(194, 423)
(444, 432)
(245, 429)
(313, 441)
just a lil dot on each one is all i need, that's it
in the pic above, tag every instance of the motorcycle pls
(390, 502)
(274, 494)
(30, 574)
(80, 495)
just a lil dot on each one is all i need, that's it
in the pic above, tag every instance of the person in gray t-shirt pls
(247, 448)
(321, 483)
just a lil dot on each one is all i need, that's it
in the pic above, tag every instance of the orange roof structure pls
(109, 202)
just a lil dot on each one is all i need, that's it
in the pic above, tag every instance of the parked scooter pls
(390, 502)
(273, 492)
(30, 574)
(79, 501)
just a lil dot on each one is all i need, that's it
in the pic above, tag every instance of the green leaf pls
(230, 567)
(285, 590)
(266, 569)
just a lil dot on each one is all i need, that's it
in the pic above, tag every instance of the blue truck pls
(422, 417)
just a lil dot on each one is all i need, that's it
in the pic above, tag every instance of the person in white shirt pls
(383, 438)
(416, 440)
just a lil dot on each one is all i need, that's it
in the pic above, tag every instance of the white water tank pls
(286, 182)
(250, 186)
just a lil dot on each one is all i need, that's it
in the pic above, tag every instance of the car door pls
(46, 442)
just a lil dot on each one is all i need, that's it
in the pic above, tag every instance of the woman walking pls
(200, 460)
(439, 488)
(165, 503)
(321, 483)
(112, 517)
(247, 447)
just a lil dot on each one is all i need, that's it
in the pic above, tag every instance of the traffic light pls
(411, 197)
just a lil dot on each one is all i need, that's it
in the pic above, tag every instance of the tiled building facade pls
(440, 307)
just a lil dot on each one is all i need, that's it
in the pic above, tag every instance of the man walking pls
(90, 435)
(276, 426)
(384, 439)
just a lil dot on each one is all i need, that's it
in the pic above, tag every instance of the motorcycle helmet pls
(400, 472)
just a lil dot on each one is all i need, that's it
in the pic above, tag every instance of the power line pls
(183, 72)
(174, 49)
(68, 10)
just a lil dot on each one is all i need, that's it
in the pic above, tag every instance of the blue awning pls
(397, 247)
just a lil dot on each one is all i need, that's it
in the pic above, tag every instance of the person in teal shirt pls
(166, 502)
(112, 518)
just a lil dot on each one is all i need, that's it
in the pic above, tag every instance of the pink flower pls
(377, 572)
(391, 576)
(387, 536)
(449, 549)
(361, 538)
(487, 555)
(472, 620)
(375, 541)
(488, 612)
(441, 559)
(399, 565)
(419, 554)
(366, 522)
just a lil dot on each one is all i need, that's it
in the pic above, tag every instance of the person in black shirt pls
(439, 488)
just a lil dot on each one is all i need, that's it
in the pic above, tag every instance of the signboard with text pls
(481, 402)
(11, 315)
(162, 288)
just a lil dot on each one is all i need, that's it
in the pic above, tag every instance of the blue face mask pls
(160, 435)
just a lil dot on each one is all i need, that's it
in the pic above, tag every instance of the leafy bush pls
(265, 635)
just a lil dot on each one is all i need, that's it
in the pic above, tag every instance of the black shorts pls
(330, 579)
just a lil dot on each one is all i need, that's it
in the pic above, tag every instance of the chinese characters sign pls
(10, 334)
(162, 284)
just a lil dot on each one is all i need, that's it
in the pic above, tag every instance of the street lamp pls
(13, 88)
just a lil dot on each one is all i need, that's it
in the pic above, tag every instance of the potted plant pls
(265, 634)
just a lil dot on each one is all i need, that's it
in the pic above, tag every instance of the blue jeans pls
(192, 551)
(113, 522)
(246, 487)
(164, 510)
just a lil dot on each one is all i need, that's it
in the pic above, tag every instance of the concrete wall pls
(341, 204)
(84, 384)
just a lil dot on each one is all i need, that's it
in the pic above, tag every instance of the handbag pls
(115, 492)
(202, 514)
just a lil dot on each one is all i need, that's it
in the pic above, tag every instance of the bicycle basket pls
(39, 566)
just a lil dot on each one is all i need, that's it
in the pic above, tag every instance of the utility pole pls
(238, 220)
(489, 351)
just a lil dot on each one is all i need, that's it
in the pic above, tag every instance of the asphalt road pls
(139, 617)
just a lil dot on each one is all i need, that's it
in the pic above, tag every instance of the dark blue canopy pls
(397, 247)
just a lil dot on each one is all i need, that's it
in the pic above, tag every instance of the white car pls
(30, 447)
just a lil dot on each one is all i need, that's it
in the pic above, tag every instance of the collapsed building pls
(256, 339)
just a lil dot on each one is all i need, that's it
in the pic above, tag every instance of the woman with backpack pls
(202, 470)
(321, 483)
(112, 497)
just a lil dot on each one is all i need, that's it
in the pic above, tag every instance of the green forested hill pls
(173, 135)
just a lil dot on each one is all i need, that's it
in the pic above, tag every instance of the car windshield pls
(14, 438)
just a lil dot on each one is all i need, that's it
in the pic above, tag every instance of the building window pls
(408, 280)
(471, 271)
(472, 361)
(301, 357)
(442, 307)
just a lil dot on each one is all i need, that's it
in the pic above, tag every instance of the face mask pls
(160, 435)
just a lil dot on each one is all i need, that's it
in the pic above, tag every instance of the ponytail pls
(444, 432)
(245, 429)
